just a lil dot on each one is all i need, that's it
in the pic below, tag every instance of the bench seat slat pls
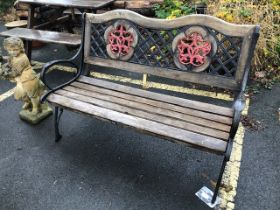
(193, 139)
(44, 36)
(134, 109)
(205, 115)
(160, 97)
(153, 109)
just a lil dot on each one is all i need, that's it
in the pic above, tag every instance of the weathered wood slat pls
(157, 110)
(18, 23)
(154, 110)
(188, 111)
(92, 4)
(87, 42)
(162, 110)
(202, 141)
(113, 104)
(160, 97)
(206, 20)
(244, 55)
(193, 77)
(44, 36)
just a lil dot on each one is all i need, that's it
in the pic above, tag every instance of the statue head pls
(14, 46)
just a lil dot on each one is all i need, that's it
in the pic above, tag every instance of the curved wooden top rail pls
(205, 20)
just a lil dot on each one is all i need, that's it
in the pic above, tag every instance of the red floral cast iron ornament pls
(121, 40)
(193, 49)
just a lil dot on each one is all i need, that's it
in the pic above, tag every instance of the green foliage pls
(5, 4)
(244, 12)
(266, 62)
(171, 9)
(277, 46)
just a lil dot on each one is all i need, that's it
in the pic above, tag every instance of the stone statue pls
(28, 86)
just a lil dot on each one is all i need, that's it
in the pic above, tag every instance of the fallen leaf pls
(260, 74)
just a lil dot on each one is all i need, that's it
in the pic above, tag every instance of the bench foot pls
(57, 115)
(219, 180)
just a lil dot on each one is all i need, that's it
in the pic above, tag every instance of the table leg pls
(30, 23)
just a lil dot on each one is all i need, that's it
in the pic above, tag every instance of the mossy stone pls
(34, 119)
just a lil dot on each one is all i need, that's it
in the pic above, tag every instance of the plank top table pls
(86, 4)
(92, 5)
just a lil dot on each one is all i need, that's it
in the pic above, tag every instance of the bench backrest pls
(197, 48)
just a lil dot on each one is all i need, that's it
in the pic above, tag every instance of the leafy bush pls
(266, 13)
(5, 4)
(171, 9)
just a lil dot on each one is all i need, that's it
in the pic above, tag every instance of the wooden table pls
(86, 4)
(81, 4)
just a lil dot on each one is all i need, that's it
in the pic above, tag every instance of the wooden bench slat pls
(205, 115)
(124, 106)
(160, 97)
(186, 76)
(44, 36)
(194, 139)
(153, 109)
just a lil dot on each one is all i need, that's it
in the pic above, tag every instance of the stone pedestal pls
(34, 119)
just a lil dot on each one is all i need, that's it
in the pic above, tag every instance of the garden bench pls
(198, 49)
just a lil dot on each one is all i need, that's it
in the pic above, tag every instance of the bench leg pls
(219, 180)
(30, 23)
(57, 115)
(86, 71)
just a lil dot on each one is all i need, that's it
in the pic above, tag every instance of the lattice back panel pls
(154, 48)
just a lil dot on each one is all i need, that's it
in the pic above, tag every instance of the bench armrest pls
(46, 68)
(238, 106)
(71, 61)
(48, 65)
